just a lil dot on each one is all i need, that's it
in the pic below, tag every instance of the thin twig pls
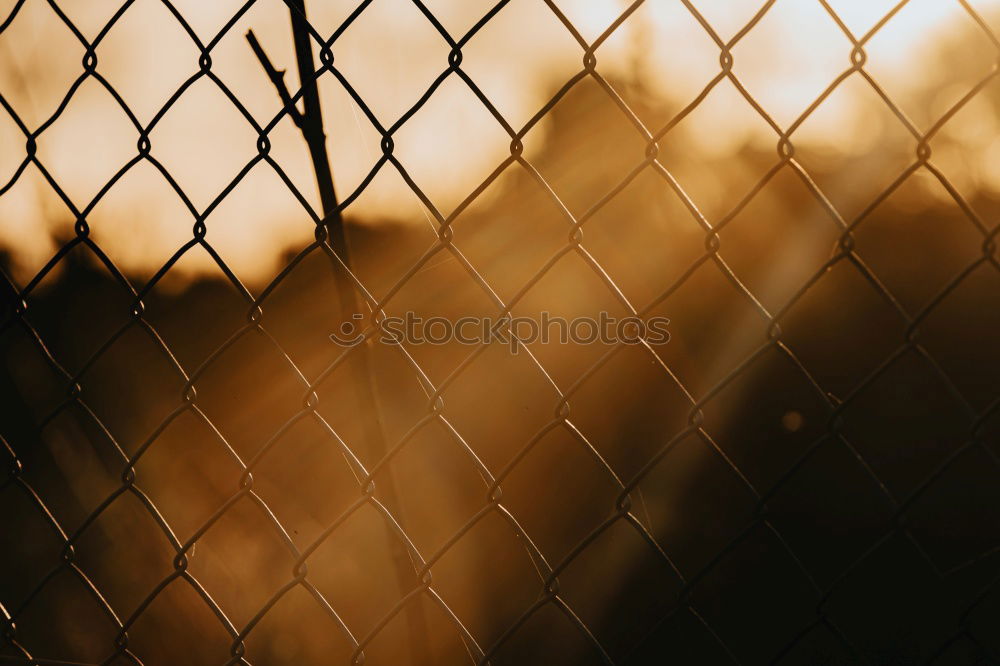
(310, 122)
(277, 78)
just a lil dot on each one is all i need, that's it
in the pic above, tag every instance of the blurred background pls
(811, 461)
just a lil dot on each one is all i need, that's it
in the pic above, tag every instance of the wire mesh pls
(689, 598)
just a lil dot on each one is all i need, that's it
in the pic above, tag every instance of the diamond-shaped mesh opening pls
(511, 72)
(897, 621)
(198, 630)
(418, 144)
(521, 414)
(66, 617)
(124, 570)
(147, 82)
(790, 85)
(693, 474)
(574, 170)
(512, 237)
(188, 472)
(104, 303)
(823, 538)
(880, 148)
(26, 24)
(242, 544)
(342, 571)
(792, 233)
(637, 597)
(78, 466)
(559, 454)
(82, 163)
(586, 295)
(513, 586)
(717, 169)
(197, 159)
(933, 221)
(766, 437)
(813, 330)
(665, 38)
(645, 237)
(439, 470)
(941, 88)
(391, 79)
(758, 562)
(641, 426)
(929, 436)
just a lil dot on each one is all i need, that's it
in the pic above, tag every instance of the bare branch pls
(277, 78)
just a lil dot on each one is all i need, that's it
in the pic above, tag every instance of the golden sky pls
(390, 55)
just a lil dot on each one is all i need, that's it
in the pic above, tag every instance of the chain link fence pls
(190, 481)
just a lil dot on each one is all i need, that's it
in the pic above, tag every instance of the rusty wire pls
(436, 409)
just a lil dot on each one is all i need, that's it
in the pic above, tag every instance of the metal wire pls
(550, 592)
